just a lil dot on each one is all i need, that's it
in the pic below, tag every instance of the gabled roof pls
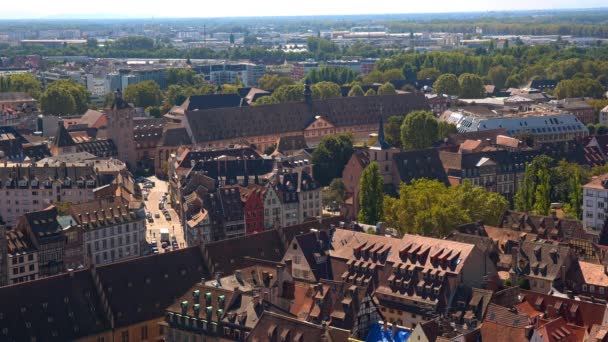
(231, 123)
(412, 165)
(176, 136)
(275, 327)
(291, 143)
(94, 119)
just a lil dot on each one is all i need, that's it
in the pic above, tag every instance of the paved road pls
(153, 229)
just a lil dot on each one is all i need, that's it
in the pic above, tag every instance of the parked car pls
(157, 215)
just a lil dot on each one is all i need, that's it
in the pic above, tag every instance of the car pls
(153, 242)
(165, 244)
(150, 220)
(157, 215)
(155, 251)
(148, 185)
(168, 217)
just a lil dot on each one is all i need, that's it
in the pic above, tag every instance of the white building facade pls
(595, 202)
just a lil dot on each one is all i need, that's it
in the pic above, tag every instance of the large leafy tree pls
(272, 81)
(583, 87)
(428, 73)
(370, 92)
(371, 195)
(471, 86)
(356, 90)
(24, 83)
(57, 101)
(429, 208)
(143, 94)
(289, 93)
(326, 90)
(447, 84)
(78, 91)
(330, 157)
(387, 89)
(419, 130)
(498, 75)
(392, 130)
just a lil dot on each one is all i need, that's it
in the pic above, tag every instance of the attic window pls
(166, 276)
(147, 280)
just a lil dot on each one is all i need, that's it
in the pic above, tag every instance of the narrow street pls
(153, 229)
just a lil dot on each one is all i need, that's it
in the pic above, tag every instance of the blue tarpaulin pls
(377, 334)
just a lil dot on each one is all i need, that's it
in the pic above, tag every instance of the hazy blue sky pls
(11, 9)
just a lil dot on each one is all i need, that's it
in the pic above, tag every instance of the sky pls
(11, 9)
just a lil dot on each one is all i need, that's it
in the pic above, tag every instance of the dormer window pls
(34, 183)
(22, 183)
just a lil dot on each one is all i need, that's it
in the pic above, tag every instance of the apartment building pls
(29, 187)
(46, 234)
(595, 202)
(22, 258)
(113, 229)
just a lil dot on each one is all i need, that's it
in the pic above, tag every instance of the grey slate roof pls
(230, 123)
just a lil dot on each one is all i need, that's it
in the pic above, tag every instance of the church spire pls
(382, 144)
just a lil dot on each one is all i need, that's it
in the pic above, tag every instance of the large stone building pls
(35, 186)
(263, 125)
(113, 229)
(415, 278)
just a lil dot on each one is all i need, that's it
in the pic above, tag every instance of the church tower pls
(120, 129)
(382, 153)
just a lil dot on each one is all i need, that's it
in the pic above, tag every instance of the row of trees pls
(547, 181)
(26, 83)
(418, 130)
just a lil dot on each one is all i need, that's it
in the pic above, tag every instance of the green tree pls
(371, 195)
(25, 83)
(271, 81)
(513, 81)
(387, 89)
(183, 77)
(356, 90)
(91, 43)
(330, 157)
(575, 206)
(232, 39)
(471, 86)
(419, 130)
(370, 92)
(229, 89)
(428, 73)
(154, 111)
(542, 200)
(270, 149)
(582, 87)
(143, 94)
(57, 101)
(409, 72)
(289, 93)
(326, 90)
(444, 129)
(525, 198)
(392, 130)
(79, 94)
(266, 100)
(429, 208)
(498, 75)
(335, 192)
(447, 84)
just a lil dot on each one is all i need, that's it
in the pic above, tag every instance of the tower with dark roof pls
(63, 142)
(121, 128)
(381, 143)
